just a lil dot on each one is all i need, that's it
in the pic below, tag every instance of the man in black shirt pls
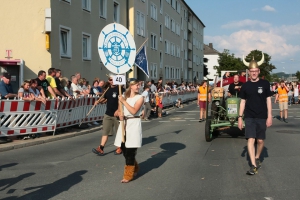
(256, 102)
(234, 88)
(58, 84)
(110, 120)
(43, 84)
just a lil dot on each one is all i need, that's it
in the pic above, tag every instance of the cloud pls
(268, 8)
(247, 23)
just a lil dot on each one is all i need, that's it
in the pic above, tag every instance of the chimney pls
(210, 45)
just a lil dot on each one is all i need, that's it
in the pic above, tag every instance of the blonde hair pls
(64, 81)
(128, 90)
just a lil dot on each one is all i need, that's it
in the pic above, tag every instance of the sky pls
(271, 26)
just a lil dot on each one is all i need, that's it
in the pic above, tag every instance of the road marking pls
(164, 121)
(296, 118)
(189, 118)
(190, 114)
(194, 120)
(145, 121)
(179, 120)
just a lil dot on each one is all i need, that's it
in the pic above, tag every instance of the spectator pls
(101, 86)
(85, 87)
(296, 93)
(43, 84)
(59, 86)
(147, 107)
(24, 93)
(178, 103)
(153, 88)
(52, 83)
(77, 91)
(226, 75)
(35, 92)
(290, 93)
(68, 88)
(6, 90)
(94, 89)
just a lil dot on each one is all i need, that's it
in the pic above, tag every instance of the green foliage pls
(274, 78)
(298, 75)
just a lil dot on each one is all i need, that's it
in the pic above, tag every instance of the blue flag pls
(141, 61)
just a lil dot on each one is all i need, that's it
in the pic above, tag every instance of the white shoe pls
(95, 123)
(89, 124)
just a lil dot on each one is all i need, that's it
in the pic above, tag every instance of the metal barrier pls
(23, 117)
(18, 117)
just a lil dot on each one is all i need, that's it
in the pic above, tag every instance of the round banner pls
(116, 48)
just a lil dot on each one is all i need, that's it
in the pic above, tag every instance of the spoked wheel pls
(208, 135)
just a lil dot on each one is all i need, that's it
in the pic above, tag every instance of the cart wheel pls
(208, 135)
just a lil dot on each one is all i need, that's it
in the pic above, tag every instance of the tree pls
(298, 75)
(228, 62)
(266, 68)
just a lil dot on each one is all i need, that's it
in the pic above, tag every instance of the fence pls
(18, 117)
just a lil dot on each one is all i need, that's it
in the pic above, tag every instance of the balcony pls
(190, 46)
(190, 65)
(190, 28)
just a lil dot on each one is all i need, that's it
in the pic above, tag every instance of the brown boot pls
(136, 168)
(128, 173)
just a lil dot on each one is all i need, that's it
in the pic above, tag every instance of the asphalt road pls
(176, 163)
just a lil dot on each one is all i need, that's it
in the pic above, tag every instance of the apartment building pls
(64, 34)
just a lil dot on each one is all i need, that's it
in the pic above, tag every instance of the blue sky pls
(272, 26)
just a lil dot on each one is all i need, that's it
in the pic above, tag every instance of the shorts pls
(255, 128)
(283, 106)
(108, 125)
(202, 104)
(159, 109)
(296, 99)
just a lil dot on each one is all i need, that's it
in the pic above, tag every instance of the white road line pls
(145, 121)
(296, 118)
(189, 118)
(164, 121)
(179, 120)
(194, 120)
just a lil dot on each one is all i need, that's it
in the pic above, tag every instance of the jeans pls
(290, 100)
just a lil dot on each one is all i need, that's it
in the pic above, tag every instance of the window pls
(185, 34)
(168, 1)
(86, 46)
(173, 25)
(86, 5)
(102, 8)
(178, 7)
(167, 47)
(140, 24)
(167, 21)
(153, 41)
(160, 32)
(173, 3)
(116, 12)
(153, 70)
(160, 6)
(185, 54)
(65, 42)
(173, 49)
(177, 73)
(177, 29)
(160, 60)
(153, 11)
(167, 72)
(67, 1)
(178, 51)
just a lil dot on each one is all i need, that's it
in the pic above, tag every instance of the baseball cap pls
(6, 75)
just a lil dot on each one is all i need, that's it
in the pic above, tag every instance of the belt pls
(131, 117)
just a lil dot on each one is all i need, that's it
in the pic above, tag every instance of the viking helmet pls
(253, 64)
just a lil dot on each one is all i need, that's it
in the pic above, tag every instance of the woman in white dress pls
(132, 103)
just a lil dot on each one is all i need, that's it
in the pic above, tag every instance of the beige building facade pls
(64, 34)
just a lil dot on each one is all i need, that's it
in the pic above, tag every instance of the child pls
(178, 103)
(159, 104)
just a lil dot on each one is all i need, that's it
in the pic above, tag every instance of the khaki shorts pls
(109, 123)
(283, 106)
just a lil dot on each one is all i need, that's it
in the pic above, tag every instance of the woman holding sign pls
(132, 103)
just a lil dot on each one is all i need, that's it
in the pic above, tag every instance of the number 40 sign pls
(119, 80)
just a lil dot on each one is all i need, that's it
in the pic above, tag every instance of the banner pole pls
(142, 45)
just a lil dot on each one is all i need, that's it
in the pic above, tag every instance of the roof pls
(209, 50)
(192, 12)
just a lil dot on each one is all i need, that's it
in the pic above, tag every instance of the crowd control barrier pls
(19, 117)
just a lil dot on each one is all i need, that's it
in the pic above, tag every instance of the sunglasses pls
(110, 79)
(132, 80)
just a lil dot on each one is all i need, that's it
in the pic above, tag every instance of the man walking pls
(257, 109)
(282, 97)
(110, 120)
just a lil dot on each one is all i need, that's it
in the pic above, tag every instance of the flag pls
(141, 61)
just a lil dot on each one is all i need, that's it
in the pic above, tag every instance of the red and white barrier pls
(19, 117)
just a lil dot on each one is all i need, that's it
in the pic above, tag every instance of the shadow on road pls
(52, 189)
(169, 150)
(11, 181)
(7, 165)
(264, 154)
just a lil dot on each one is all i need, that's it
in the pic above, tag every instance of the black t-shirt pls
(233, 91)
(112, 100)
(44, 85)
(256, 94)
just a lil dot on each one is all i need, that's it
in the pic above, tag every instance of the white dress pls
(133, 127)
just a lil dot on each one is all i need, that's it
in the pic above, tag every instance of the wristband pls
(240, 116)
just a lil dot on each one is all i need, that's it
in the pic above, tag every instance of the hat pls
(6, 75)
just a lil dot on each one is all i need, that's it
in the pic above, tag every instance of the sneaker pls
(285, 120)
(95, 123)
(98, 151)
(118, 151)
(252, 171)
(281, 119)
(258, 163)
(200, 120)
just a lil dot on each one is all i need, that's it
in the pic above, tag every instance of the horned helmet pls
(253, 64)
